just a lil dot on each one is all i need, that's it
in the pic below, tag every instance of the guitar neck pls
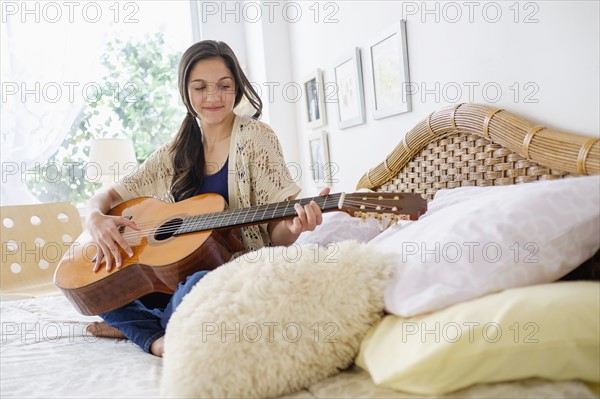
(232, 218)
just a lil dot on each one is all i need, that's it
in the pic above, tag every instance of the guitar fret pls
(203, 222)
(214, 220)
(240, 213)
(248, 216)
(255, 212)
(206, 221)
(223, 217)
(236, 218)
(243, 214)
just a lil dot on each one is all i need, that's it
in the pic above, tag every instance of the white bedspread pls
(46, 353)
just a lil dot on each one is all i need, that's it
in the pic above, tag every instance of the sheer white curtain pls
(45, 68)
(51, 69)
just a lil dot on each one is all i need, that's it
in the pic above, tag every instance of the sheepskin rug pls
(274, 321)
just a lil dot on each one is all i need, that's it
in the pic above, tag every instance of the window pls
(75, 71)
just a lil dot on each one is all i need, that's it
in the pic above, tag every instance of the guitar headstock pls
(395, 206)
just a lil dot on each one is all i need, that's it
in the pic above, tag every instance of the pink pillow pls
(339, 226)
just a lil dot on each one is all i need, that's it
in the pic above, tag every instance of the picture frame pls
(316, 114)
(320, 166)
(388, 59)
(349, 89)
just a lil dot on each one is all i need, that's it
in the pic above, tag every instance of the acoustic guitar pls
(178, 239)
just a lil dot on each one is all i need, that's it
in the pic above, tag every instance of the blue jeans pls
(143, 325)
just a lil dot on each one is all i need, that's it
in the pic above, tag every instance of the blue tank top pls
(216, 183)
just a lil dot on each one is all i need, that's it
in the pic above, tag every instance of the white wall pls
(552, 62)
(558, 56)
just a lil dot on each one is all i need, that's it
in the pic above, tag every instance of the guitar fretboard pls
(231, 218)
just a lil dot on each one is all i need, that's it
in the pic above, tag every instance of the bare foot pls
(101, 329)
(158, 347)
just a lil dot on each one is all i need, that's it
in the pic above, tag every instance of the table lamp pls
(112, 158)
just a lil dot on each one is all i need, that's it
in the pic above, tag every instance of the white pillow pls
(479, 240)
(274, 321)
(340, 226)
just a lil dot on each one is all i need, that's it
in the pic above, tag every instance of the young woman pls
(214, 151)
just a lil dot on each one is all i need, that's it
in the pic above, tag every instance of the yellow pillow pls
(549, 331)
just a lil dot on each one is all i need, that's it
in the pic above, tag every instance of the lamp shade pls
(112, 158)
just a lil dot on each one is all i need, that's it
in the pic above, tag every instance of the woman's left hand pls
(309, 216)
(286, 232)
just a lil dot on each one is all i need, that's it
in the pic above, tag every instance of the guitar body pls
(159, 262)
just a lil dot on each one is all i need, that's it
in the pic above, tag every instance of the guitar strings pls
(215, 218)
(228, 213)
(211, 220)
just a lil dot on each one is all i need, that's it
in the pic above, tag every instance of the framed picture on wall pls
(320, 167)
(349, 90)
(315, 103)
(388, 58)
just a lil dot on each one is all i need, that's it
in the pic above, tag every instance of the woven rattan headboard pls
(476, 145)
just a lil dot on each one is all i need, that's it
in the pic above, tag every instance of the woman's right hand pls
(104, 230)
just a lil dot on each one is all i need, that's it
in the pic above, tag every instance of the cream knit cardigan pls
(257, 174)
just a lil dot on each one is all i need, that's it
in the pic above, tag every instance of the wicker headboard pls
(476, 145)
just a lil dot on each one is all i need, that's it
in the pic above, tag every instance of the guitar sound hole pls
(166, 231)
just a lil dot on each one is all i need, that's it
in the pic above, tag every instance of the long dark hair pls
(187, 148)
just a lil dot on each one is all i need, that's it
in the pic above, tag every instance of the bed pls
(46, 351)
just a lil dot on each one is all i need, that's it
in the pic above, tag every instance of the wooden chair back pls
(34, 239)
